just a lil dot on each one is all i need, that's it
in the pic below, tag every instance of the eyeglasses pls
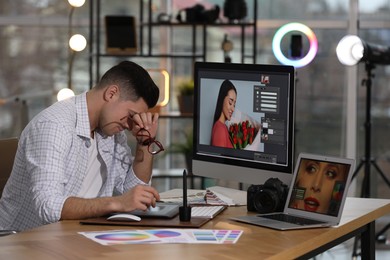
(144, 138)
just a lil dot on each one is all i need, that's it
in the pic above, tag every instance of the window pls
(32, 29)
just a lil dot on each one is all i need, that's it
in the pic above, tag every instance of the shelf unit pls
(145, 28)
(146, 25)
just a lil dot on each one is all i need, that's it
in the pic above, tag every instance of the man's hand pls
(140, 197)
(145, 120)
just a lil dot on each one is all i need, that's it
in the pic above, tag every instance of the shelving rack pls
(146, 25)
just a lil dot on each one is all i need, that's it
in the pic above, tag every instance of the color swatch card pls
(164, 236)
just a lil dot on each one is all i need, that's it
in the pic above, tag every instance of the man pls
(73, 161)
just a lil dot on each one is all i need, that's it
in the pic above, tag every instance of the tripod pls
(367, 160)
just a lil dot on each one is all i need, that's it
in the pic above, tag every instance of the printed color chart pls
(164, 236)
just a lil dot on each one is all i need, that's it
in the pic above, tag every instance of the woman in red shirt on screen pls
(224, 109)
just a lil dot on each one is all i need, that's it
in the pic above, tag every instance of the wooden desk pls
(61, 241)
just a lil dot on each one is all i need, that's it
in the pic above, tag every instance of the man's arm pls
(143, 163)
(140, 197)
(143, 160)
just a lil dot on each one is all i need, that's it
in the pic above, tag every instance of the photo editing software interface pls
(244, 115)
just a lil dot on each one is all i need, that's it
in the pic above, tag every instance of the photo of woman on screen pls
(226, 103)
(319, 187)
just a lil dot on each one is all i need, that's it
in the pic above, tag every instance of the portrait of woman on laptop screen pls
(319, 187)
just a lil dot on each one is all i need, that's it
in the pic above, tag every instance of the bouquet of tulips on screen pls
(242, 131)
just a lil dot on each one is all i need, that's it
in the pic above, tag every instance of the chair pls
(8, 149)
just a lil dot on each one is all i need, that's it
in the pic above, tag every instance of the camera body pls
(267, 198)
(198, 14)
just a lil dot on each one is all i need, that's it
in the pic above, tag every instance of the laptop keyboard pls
(292, 219)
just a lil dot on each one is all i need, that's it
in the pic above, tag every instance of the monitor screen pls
(243, 121)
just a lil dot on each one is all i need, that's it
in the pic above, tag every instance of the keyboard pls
(206, 211)
(292, 219)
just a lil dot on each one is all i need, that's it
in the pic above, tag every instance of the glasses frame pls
(148, 140)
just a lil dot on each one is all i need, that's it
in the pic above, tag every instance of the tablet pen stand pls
(185, 210)
(185, 213)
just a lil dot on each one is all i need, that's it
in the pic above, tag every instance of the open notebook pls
(316, 198)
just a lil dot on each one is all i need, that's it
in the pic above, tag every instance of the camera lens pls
(265, 201)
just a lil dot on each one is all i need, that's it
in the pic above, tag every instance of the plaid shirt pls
(51, 163)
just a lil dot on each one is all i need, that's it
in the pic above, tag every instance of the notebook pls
(316, 195)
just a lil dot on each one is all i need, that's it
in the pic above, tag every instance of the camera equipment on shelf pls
(267, 198)
(235, 10)
(198, 14)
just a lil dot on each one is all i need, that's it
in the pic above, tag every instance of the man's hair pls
(134, 82)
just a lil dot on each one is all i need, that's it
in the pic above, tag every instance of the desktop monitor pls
(247, 136)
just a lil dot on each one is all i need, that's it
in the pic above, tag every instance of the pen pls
(185, 210)
(184, 188)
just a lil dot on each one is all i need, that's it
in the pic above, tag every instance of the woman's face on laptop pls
(319, 181)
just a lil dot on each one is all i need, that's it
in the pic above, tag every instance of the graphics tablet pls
(161, 210)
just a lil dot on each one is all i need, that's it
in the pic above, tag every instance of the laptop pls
(316, 196)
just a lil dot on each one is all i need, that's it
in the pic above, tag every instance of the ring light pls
(289, 28)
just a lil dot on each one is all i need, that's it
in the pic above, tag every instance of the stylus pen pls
(184, 188)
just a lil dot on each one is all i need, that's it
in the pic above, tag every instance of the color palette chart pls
(164, 236)
(216, 236)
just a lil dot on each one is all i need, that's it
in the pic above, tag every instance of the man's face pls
(116, 115)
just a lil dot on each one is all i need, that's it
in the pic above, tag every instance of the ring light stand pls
(367, 160)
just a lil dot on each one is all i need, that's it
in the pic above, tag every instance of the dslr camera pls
(198, 14)
(267, 198)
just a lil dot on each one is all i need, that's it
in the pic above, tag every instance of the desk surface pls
(61, 241)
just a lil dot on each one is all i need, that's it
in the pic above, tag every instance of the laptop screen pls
(320, 185)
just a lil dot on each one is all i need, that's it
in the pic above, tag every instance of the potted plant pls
(184, 148)
(186, 96)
